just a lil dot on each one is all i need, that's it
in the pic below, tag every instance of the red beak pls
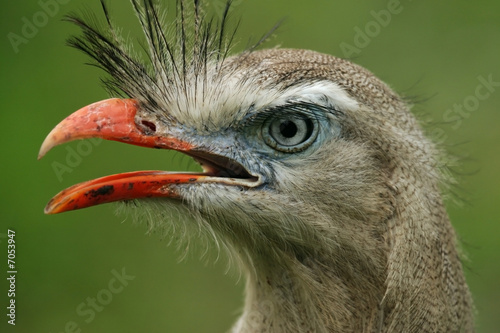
(111, 119)
(114, 119)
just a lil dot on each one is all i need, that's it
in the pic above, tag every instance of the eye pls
(290, 133)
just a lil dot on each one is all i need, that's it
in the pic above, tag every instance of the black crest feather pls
(174, 52)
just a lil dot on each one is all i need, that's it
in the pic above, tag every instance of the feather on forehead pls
(194, 51)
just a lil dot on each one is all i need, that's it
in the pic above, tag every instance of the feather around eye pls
(301, 109)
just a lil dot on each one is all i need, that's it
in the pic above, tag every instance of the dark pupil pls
(288, 129)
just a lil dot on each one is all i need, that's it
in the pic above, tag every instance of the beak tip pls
(49, 209)
(44, 149)
(49, 143)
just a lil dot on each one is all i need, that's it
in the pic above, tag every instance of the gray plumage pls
(347, 235)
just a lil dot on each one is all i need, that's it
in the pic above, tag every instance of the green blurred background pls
(436, 51)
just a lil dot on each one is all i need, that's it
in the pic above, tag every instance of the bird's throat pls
(283, 299)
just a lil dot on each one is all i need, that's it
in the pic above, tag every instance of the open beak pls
(115, 119)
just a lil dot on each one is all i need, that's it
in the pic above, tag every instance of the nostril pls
(149, 125)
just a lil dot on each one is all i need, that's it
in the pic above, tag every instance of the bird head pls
(312, 167)
(277, 143)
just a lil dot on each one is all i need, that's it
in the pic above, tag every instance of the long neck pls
(426, 289)
(310, 296)
(420, 286)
